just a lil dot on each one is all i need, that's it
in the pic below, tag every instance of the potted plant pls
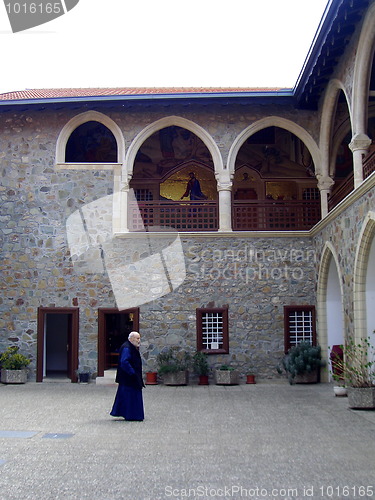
(201, 367)
(357, 367)
(13, 366)
(83, 375)
(336, 357)
(173, 366)
(227, 375)
(302, 363)
(151, 378)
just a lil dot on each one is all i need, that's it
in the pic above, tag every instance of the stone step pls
(107, 379)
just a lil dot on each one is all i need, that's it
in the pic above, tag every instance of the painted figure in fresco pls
(129, 401)
(193, 189)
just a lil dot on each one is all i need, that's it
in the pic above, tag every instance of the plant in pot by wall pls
(227, 375)
(151, 378)
(173, 365)
(336, 356)
(13, 366)
(201, 367)
(83, 375)
(357, 367)
(302, 363)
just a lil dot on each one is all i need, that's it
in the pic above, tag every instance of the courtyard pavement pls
(263, 441)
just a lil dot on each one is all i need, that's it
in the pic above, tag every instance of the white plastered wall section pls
(363, 280)
(329, 259)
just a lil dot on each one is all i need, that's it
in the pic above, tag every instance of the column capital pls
(325, 182)
(360, 142)
(224, 186)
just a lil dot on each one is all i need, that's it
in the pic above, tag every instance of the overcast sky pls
(199, 43)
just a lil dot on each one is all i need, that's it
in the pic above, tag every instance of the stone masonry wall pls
(343, 233)
(254, 277)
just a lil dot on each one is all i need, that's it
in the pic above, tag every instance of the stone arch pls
(328, 150)
(362, 69)
(274, 121)
(328, 255)
(167, 122)
(78, 120)
(361, 265)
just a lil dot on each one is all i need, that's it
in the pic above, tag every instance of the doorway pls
(57, 346)
(114, 327)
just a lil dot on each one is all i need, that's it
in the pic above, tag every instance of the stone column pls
(359, 146)
(123, 204)
(225, 207)
(325, 184)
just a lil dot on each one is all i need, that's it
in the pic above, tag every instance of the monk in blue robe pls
(129, 401)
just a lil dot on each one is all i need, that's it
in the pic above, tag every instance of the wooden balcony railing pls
(369, 164)
(272, 215)
(252, 215)
(341, 191)
(347, 186)
(183, 216)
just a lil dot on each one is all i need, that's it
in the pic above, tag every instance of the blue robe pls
(129, 401)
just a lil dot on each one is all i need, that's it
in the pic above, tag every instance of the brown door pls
(57, 345)
(114, 327)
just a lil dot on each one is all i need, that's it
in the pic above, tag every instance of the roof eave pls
(287, 93)
(322, 31)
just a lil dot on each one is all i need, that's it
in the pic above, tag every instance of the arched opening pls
(274, 185)
(174, 182)
(364, 282)
(341, 169)
(369, 160)
(335, 326)
(91, 142)
(330, 304)
(370, 292)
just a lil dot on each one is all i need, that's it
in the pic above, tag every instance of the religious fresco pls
(166, 149)
(275, 152)
(91, 142)
(175, 186)
(279, 190)
(245, 184)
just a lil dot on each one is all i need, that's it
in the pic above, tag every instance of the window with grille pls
(143, 195)
(212, 331)
(311, 194)
(299, 325)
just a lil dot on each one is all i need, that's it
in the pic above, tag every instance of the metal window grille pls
(143, 195)
(212, 330)
(311, 194)
(300, 327)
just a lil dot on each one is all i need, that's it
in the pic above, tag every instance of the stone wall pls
(343, 233)
(253, 276)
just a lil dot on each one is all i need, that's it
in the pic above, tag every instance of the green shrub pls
(12, 360)
(200, 363)
(173, 360)
(301, 358)
(357, 367)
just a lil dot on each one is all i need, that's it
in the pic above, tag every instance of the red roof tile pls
(108, 92)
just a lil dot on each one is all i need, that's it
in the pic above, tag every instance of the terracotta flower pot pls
(151, 378)
(203, 380)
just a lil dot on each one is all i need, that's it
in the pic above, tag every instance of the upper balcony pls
(249, 215)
